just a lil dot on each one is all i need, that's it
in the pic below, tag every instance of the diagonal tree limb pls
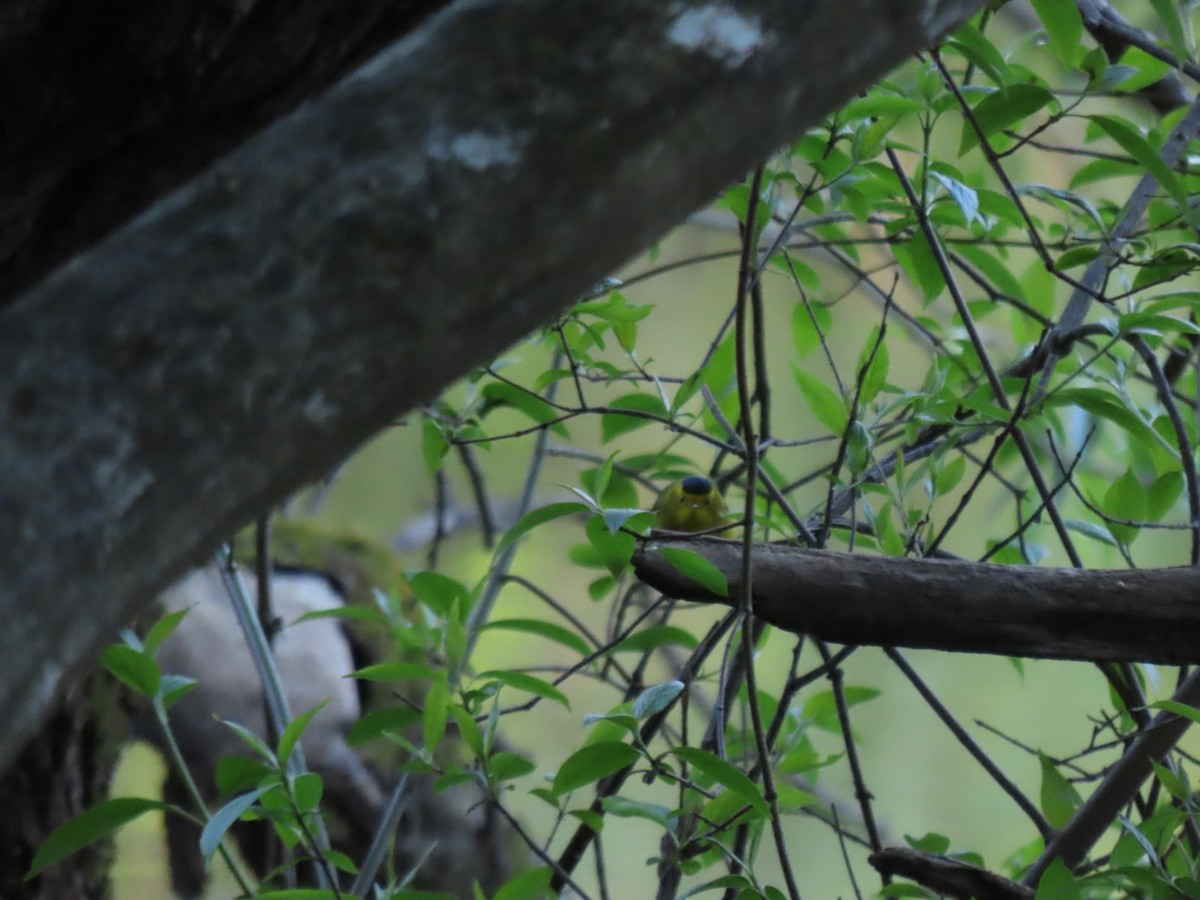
(104, 108)
(441, 202)
(1120, 785)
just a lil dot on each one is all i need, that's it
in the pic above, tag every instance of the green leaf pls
(1067, 199)
(809, 322)
(890, 539)
(601, 587)
(1059, 799)
(1161, 496)
(347, 613)
(173, 687)
(737, 199)
(1064, 25)
(625, 808)
(1002, 108)
(1176, 300)
(859, 447)
(1105, 405)
(656, 636)
(88, 827)
(434, 445)
(1176, 29)
(250, 739)
(904, 889)
(439, 592)
(634, 519)
(995, 268)
(530, 885)
(1057, 883)
(375, 724)
(916, 258)
(949, 475)
(293, 731)
(1092, 530)
(1125, 499)
(724, 774)
(396, 672)
(930, 842)
(684, 393)
(964, 197)
(163, 629)
(1137, 147)
(1167, 265)
(821, 708)
(223, 819)
(791, 797)
(500, 393)
(235, 774)
(1140, 70)
(615, 424)
(608, 487)
(692, 565)
(591, 763)
(626, 333)
(827, 405)
(133, 668)
(454, 637)
(531, 684)
(613, 550)
(978, 49)
(1099, 170)
(505, 766)
(1075, 258)
(548, 630)
(730, 808)
(880, 105)
(656, 698)
(307, 790)
(435, 715)
(612, 726)
(1176, 783)
(1152, 323)
(590, 818)
(539, 516)
(1179, 709)
(873, 364)
(614, 307)
(598, 478)
(469, 731)
(452, 779)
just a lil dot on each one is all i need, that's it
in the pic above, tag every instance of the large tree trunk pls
(247, 332)
(107, 106)
(65, 769)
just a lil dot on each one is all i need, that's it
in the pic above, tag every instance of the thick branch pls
(1121, 615)
(946, 875)
(105, 107)
(454, 193)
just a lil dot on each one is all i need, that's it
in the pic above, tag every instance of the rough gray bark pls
(1130, 615)
(253, 328)
(104, 107)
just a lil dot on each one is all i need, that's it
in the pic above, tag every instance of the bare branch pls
(1125, 615)
(948, 876)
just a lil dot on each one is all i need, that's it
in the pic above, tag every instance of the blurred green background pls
(921, 780)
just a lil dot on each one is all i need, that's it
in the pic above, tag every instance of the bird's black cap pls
(696, 484)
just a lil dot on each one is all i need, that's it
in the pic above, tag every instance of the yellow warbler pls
(690, 504)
